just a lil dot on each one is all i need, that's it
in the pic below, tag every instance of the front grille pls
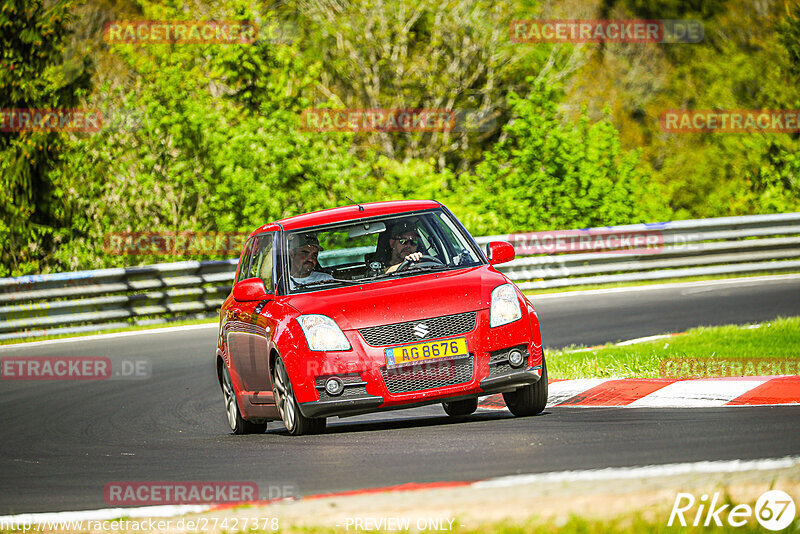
(392, 334)
(348, 393)
(428, 375)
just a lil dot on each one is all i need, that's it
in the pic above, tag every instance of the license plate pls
(426, 351)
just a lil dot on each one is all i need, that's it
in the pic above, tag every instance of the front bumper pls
(512, 381)
(340, 407)
(370, 385)
(369, 403)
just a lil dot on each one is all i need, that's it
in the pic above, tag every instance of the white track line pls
(101, 337)
(646, 339)
(648, 471)
(654, 287)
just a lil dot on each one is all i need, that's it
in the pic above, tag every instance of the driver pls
(303, 250)
(404, 242)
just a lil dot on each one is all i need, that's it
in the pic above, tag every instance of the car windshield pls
(376, 249)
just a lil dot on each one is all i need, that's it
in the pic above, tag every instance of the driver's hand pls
(414, 256)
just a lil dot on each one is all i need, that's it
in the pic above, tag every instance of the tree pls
(218, 146)
(551, 174)
(34, 74)
(454, 55)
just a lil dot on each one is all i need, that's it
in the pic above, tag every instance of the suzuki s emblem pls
(421, 330)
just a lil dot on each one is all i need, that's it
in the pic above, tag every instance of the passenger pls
(303, 251)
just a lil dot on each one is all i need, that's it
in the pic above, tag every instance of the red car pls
(373, 307)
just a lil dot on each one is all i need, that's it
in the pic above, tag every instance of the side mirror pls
(250, 289)
(499, 252)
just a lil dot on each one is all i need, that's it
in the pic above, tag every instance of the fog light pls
(334, 386)
(515, 358)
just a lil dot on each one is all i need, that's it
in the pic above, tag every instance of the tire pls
(237, 424)
(531, 399)
(460, 408)
(295, 422)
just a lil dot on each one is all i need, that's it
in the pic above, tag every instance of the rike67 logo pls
(774, 510)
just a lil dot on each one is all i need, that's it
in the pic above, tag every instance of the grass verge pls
(715, 349)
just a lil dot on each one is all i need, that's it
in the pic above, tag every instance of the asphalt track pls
(63, 441)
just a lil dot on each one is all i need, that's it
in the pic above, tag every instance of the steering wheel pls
(429, 259)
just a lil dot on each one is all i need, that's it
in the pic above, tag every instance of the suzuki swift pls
(373, 307)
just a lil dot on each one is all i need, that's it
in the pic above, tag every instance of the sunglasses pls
(407, 240)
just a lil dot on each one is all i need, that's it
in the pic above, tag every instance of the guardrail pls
(62, 303)
(679, 249)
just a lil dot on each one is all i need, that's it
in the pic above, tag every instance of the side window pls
(454, 241)
(244, 262)
(261, 263)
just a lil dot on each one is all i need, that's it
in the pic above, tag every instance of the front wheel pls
(460, 408)
(531, 399)
(235, 421)
(295, 422)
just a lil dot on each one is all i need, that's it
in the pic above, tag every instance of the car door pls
(249, 334)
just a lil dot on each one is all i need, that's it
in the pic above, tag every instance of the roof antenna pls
(360, 207)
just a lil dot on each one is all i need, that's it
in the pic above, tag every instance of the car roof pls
(348, 213)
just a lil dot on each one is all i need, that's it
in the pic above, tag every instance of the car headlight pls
(322, 333)
(505, 305)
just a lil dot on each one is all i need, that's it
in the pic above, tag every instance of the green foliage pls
(207, 137)
(215, 145)
(672, 9)
(33, 76)
(454, 54)
(748, 60)
(549, 174)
